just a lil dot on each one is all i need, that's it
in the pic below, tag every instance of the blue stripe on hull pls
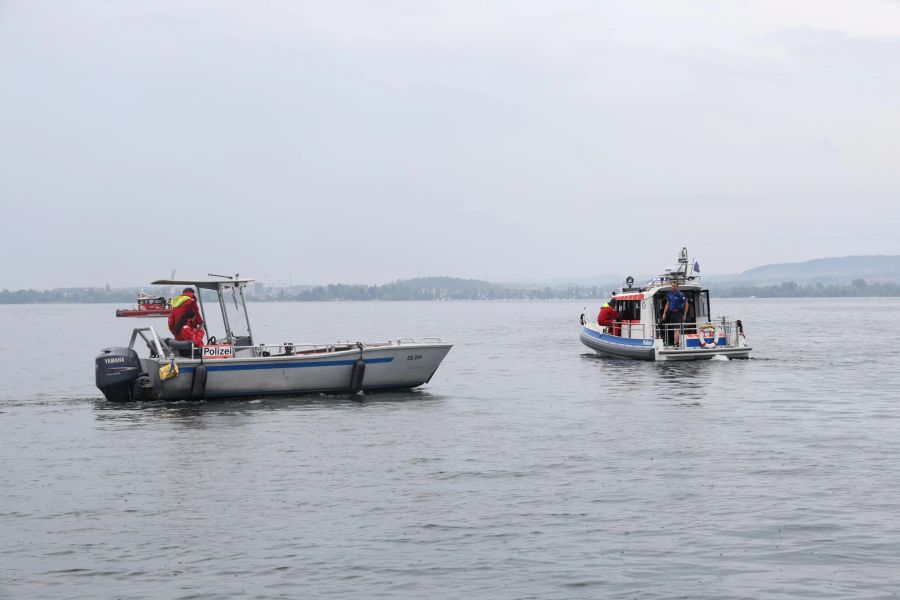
(614, 339)
(289, 365)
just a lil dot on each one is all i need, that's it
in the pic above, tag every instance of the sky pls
(363, 142)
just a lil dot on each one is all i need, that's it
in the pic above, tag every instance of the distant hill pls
(829, 271)
(872, 268)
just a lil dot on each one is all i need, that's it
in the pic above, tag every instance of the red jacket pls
(607, 315)
(185, 311)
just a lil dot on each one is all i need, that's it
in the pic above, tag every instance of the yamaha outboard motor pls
(117, 371)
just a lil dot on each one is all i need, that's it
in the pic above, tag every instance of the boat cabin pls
(641, 307)
(647, 306)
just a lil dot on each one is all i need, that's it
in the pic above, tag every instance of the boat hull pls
(703, 353)
(649, 349)
(403, 366)
(603, 343)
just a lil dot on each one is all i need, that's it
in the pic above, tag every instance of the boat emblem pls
(218, 351)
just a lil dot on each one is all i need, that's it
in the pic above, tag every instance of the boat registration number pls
(218, 351)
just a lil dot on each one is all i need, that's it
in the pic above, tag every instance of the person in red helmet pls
(608, 318)
(185, 321)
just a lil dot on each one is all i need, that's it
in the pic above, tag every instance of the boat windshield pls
(234, 329)
(237, 316)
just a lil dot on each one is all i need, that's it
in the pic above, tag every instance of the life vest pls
(184, 312)
(181, 300)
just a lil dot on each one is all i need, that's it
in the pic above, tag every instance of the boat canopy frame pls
(219, 286)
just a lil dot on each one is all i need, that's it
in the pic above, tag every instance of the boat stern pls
(116, 373)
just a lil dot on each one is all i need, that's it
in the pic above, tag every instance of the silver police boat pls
(235, 365)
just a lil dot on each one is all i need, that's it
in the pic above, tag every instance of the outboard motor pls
(117, 371)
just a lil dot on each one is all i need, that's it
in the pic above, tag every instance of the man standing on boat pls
(185, 321)
(676, 310)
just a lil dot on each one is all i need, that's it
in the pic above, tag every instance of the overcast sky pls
(368, 141)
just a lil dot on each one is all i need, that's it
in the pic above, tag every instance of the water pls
(528, 468)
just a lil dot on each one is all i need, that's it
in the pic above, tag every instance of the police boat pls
(641, 333)
(236, 365)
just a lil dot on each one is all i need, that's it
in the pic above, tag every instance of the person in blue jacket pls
(676, 311)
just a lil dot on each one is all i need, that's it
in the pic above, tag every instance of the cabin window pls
(629, 309)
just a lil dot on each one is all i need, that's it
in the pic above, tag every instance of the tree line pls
(69, 295)
(447, 288)
(791, 289)
(398, 291)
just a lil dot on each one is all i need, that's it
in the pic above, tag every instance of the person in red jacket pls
(185, 321)
(608, 318)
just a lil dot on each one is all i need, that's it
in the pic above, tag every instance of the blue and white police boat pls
(641, 333)
(234, 364)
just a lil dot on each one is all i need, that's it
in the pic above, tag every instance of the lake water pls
(527, 468)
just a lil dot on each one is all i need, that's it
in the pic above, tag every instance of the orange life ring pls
(707, 330)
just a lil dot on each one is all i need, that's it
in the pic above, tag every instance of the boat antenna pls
(683, 262)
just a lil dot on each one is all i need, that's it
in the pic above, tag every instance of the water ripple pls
(527, 469)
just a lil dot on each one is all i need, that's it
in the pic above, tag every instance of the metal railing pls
(148, 334)
(719, 328)
(291, 349)
(160, 350)
(666, 332)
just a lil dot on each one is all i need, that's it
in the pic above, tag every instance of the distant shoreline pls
(71, 303)
(446, 289)
(713, 294)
